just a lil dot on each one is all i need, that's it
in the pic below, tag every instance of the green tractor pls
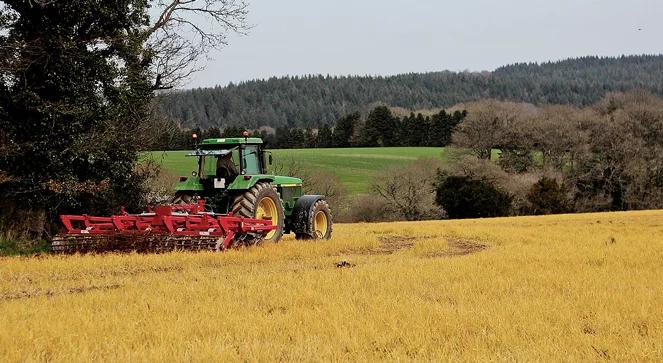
(232, 177)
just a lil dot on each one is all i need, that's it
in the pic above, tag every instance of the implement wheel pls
(319, 224)
(261, 202)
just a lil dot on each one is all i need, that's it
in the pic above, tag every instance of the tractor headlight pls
(194, 174)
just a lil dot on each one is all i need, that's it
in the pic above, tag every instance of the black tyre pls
(184, 198)
(261, 201)
(319, 222)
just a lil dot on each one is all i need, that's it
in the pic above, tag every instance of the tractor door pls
(208, 167)
(252, 163)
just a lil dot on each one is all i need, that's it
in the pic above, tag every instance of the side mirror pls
(271, 159)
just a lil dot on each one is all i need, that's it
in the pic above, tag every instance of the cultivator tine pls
(142, 244)
(81, 244)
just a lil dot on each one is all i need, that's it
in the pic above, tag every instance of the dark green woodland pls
(309, 101)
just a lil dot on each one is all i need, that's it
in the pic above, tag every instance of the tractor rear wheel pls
(261, 202)
(319, 223)
(183, 198)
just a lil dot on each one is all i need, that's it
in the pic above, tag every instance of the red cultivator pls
(166, 228)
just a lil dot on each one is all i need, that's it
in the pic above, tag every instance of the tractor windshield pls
(217, 163)
(226, 162)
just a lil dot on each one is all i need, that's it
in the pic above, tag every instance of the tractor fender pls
(302, 212)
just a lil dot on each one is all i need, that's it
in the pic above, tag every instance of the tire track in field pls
(25, 294)
(390, 244)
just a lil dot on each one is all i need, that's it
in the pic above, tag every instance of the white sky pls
(342, 37)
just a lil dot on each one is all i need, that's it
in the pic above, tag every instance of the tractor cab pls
(243, 156)
(221, 161)
(239, 156)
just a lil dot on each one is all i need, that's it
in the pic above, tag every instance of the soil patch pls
(392, 243)
(388, 245)
(460, 247)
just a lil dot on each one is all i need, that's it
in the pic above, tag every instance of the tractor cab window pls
(208, 166)
(251, 160)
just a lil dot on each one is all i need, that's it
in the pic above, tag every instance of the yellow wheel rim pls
(267, 210)
(320, 224)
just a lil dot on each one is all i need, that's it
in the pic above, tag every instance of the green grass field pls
(355, 167)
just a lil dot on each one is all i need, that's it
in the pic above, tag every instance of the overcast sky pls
(342, 37)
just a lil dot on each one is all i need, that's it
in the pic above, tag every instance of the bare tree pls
(409, 191)
(185, 31)
(556, 132)
(491, 124)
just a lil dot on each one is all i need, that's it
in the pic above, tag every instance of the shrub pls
(465, 197)
(515, 161)
(368, 208)
(516, 185)
(548, 197)
(13, 246)
(160, 184)
(409, 191)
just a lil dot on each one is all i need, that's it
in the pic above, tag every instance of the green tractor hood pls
(242, 182)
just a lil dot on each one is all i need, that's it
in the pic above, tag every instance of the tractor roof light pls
(194, 136)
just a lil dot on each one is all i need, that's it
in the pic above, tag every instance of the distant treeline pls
(380, 128)
(310, 101)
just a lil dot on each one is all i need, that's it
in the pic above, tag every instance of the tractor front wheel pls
(261, 202)
(319, 222)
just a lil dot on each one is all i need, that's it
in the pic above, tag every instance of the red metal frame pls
(169, 220)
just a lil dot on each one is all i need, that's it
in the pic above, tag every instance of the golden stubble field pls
(563, 288)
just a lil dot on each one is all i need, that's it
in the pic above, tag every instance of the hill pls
(310, 100)
(555, 288)
(354, 167)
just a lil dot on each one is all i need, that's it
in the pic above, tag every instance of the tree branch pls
(184, 33)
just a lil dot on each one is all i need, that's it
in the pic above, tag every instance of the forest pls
(308, 101)
(380, 128)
